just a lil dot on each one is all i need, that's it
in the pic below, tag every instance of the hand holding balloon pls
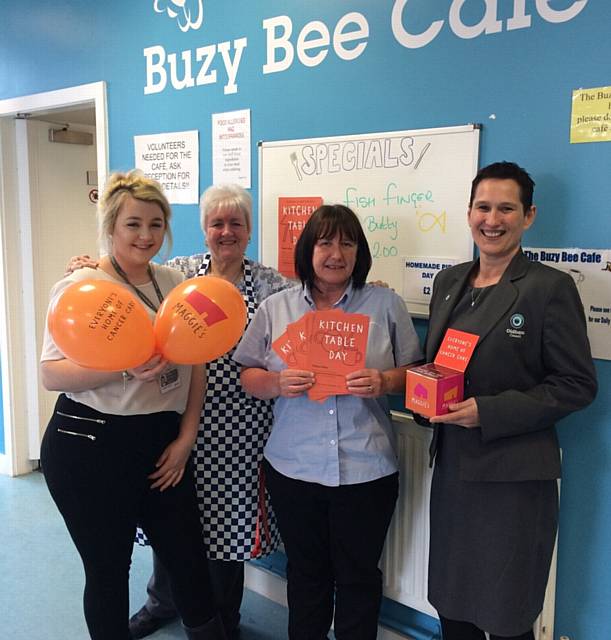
(149, 370)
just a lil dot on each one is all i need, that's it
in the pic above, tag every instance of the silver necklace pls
(474, 297)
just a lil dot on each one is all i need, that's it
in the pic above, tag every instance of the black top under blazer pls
(531, 367)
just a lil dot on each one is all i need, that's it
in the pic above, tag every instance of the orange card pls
(299, 333)
(285, 350)
(329, 343)
(338, 345)
(456, 349)
(293, 213)
(320, 392)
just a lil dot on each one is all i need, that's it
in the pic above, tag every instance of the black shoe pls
(143, 623)
(234, 634)
(211, 630)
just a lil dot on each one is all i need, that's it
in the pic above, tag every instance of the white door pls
(45, 217)
(63, 221)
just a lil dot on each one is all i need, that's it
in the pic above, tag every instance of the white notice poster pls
(231, 148)
(173, 160)
(591, 271)
(418, 277)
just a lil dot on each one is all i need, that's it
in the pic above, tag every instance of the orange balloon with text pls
(101, 325)
(200, 320)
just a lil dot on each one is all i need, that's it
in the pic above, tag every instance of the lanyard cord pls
(147, 301)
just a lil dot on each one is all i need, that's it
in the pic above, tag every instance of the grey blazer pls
(531, 367)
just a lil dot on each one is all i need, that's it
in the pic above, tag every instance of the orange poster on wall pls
(293, 213)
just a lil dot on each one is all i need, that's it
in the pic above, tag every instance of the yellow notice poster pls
(591, 115)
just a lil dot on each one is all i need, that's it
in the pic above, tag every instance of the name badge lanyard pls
(147, 301)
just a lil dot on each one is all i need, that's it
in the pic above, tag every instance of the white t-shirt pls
(137, 397)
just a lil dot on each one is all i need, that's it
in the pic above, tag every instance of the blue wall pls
(517, 83)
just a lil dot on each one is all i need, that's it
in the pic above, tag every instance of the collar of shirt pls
(341, 302)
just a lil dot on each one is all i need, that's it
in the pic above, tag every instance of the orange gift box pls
(431, 387)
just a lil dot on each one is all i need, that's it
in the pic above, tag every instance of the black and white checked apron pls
(233, 430)
(238, 521)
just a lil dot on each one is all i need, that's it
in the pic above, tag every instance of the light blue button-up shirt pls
(345, 439)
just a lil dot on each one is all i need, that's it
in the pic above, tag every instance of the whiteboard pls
(410, 190)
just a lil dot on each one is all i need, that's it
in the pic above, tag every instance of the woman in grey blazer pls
(494, 502)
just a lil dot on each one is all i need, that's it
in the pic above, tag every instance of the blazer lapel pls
(504, 294)
(495, 305)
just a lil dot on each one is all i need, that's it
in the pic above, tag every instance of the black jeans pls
(96, 467)
(227, 577)
(460, 630)
(333, 538)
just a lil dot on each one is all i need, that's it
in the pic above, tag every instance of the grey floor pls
(41, 578)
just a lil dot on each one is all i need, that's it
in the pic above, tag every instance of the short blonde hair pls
(222, 197)
(121, 186)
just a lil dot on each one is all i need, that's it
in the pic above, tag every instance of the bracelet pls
(126, 378)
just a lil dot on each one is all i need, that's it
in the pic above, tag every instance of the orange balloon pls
(200, 320)
(101, 325)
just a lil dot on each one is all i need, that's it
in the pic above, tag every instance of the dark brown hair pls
(326, 222)
(506, 171)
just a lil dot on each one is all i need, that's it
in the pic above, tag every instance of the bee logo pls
(189, 14)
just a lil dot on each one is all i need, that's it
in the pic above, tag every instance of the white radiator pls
(406, 553)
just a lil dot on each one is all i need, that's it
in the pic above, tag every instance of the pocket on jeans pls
(75, 449)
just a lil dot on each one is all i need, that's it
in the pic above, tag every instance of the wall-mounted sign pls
(173, 160)
(591, 115)
(231, 148)
(591, 271)
(289, 43)
(418, 277)
(293, 213)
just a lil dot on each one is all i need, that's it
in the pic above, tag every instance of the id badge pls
(169, 380)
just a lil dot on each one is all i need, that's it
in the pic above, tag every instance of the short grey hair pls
(222, 197)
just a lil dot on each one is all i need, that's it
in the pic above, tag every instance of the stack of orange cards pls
(329, 343)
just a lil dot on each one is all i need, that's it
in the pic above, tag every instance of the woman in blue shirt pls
(331, 466)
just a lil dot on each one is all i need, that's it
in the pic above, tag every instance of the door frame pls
(18, 357)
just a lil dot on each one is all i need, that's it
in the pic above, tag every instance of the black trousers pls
(227, 577)
(460, 630)
(333, 538)
(96, 467)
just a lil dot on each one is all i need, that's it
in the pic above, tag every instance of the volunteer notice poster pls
(173, 160)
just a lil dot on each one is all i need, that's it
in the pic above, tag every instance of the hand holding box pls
(431, 387)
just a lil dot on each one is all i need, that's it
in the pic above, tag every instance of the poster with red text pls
(293, 213)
